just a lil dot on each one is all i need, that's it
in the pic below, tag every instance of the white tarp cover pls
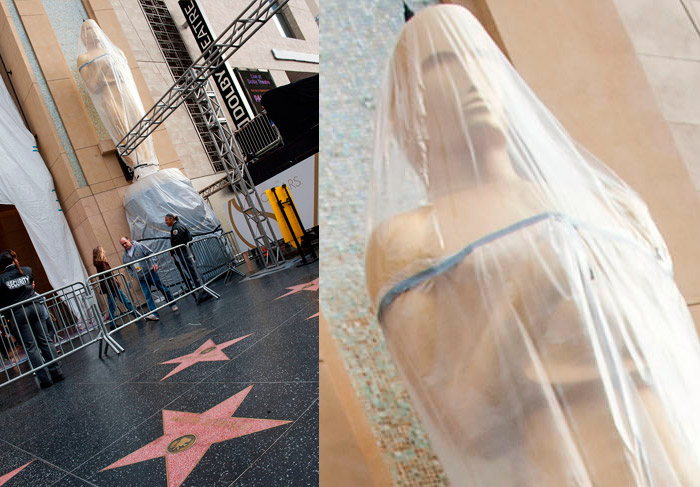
(524, 291)
(26, 183)
(111, 86)
(149, 199)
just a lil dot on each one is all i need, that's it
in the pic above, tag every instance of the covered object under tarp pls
(26, 183)
(148, 200)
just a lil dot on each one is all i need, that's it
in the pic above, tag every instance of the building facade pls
(39, 46)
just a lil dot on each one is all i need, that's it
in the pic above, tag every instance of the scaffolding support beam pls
(248, 22)
(248, 200)
(195, 85)
(214, 188)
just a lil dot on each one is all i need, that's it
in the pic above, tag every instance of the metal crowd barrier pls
(45, 328)
(214, 257)
(65, 320)
(257, 136)
(140, 289)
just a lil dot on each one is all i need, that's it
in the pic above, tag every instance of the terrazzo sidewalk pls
(221, 394)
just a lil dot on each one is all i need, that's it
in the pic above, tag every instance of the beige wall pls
(579, 60)
(349, 453)
(665, 36)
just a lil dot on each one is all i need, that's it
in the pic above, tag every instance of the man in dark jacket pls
(31, 320)
(180, 235)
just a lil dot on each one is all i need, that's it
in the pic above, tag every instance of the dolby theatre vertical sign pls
(234, 99)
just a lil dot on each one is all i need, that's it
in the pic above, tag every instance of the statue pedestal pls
(147, 200)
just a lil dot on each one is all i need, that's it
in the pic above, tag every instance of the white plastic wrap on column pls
(26, 183)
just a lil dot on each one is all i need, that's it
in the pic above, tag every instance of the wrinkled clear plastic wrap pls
(147, 201)
(112, 89)
(523, 289)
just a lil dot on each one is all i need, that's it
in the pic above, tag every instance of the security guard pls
(179, 235)
(31, 320)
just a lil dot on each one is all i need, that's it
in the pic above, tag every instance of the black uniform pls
(15, 287)
(179, 234)
(29, 320)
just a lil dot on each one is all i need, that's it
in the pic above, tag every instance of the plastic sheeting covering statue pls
(108, 79)
(107, 76)
(523, 289)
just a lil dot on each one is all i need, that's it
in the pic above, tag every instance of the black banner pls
(233, 98)
(256, 84)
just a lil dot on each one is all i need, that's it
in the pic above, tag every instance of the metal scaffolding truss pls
(247, 199)
(234, 36)
(194, 84)
(214, 187)
(178, 61)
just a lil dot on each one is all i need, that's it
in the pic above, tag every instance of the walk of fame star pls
(9, 475)
(207, 352)
(312, 316)
(307, 286)
(188, 436)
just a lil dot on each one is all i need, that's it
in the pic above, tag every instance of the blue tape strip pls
(92, 60)
(455, 259)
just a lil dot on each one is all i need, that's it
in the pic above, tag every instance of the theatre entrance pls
(13, 235)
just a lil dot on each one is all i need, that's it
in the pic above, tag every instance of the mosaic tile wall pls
(46, 94)
(66, 17)
(356, 39)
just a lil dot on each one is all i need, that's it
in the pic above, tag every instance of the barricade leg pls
(189, 264)
(109, 342)
(146, 289)
(230, 248)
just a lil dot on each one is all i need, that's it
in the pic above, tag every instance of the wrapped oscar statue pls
(107, 76)
(524, 291)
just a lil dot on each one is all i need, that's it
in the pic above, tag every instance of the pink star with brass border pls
(8, 476)
(188, 436)
(313, 316)
(307, 286)
(207, 352)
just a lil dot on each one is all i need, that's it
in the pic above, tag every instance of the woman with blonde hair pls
(109, 285)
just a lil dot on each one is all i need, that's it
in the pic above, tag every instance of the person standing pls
(180, 235)
(109, 285)
(134, 251)
(29, 319)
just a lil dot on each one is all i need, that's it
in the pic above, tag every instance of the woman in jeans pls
(109, 285)
(30, 319)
